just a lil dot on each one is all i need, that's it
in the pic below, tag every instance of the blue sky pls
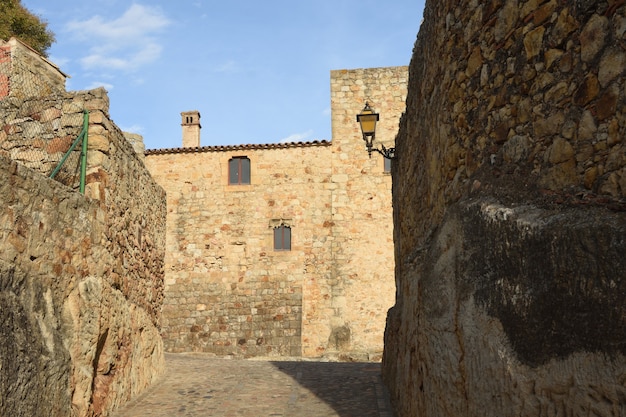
(258, 72)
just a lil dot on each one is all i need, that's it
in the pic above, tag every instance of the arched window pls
(239, 170)
(282, 238)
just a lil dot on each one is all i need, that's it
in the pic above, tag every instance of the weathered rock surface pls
(81, 277)
(510, 213)
(34, 362)
(71, 343)
(516, 311)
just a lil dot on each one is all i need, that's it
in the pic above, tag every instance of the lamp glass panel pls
(368, 123)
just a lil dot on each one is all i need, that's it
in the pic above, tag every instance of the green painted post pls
(83, 162)
(67, 154)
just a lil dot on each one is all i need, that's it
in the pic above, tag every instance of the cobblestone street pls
(200, 385)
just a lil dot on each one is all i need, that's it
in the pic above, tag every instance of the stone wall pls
(82, 276)
(137, 143)
(509, 213)
(227, 290)
(38, 131)
(25, 73)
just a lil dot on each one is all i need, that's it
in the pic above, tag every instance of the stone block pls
(592, 37)
(533, 42)
(612, 65)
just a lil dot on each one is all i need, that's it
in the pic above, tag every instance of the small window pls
(387, 164)
(282, 238)
(239, 170)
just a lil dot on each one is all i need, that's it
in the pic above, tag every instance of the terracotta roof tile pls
(227, 148)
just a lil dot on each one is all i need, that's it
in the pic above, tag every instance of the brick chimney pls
(191, 128)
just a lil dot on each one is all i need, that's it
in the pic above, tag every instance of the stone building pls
(286, 248)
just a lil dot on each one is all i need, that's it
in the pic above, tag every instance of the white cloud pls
(126, 43)
(297, 137)
(138, 129)
(95, 61)
(97, 84)
(129, 59)
(136, 23)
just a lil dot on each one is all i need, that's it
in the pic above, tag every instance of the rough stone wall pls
(25, 73)
(5, 69)
(38, 131)
(228, 292)
(509, 213)
(73, 342)
(137, 143)
(82, 276)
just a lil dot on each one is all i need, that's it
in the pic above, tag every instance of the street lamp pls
(367, 119)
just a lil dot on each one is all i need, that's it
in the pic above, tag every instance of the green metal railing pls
(82, 136)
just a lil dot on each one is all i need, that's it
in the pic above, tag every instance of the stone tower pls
(191, 128)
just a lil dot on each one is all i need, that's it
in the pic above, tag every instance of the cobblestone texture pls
(201, 385)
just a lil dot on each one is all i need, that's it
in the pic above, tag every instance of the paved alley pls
(197, 385)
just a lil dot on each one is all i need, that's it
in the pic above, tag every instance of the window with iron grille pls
(282, 238)
(239, 170)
